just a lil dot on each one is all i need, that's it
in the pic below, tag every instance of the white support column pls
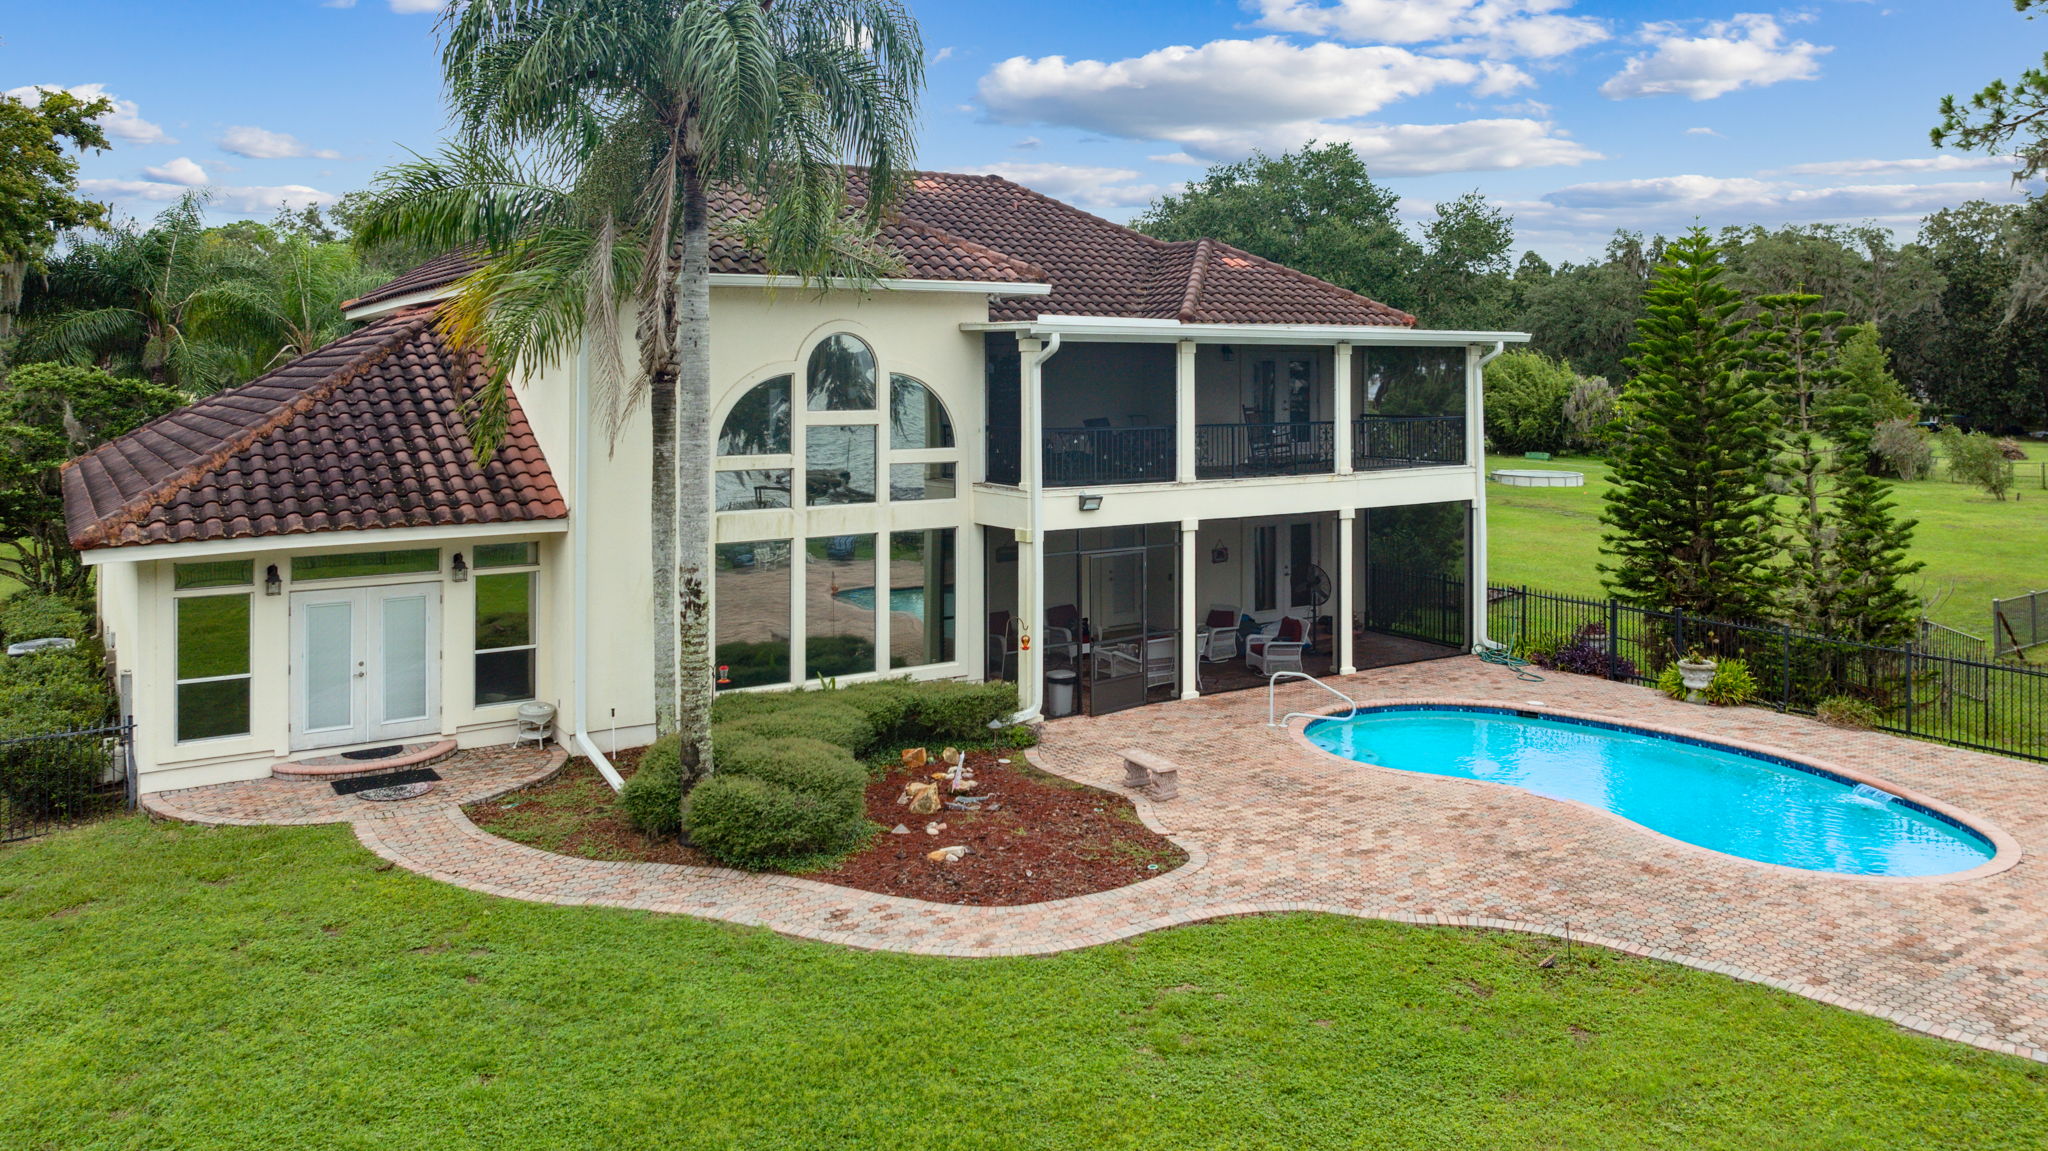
(1184, 412)
(1340, 410)
(1190, 619)
(1347, 580)
(1030, 547)
(1475, 458)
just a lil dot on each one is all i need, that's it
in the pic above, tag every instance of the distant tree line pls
(1957, 310)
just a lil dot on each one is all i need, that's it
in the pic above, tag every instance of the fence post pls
(1909, 690)
(1785, 652)
(1613, 638)
(1678, 623)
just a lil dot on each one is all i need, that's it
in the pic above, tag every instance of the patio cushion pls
(1290, 630)
(1222, 619)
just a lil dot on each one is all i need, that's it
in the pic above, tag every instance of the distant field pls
(1974, 547)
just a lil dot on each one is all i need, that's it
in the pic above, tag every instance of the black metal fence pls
(54, 780)
(1298, 448)
(2019, 623)
(1077, 457)
(1407, 441)
(1972, 703)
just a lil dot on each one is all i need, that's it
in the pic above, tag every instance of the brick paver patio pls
(1272, 825)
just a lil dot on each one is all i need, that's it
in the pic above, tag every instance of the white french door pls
(366, 664)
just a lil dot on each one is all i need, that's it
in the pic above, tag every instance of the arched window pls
(841, 377)
(759, 424)
(916, 417)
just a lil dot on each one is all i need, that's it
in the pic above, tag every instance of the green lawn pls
(176, 987)
(1975, 547)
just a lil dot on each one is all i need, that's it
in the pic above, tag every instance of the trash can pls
(1059, 692)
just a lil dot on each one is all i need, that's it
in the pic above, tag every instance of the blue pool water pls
(1743, 805)
(903, 599)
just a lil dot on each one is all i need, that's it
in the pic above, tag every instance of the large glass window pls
(923, 481)
(214, 573)
(212, 639)
(839, 605)
(751, 605)
(920, 568)
(841, 377)
(752, 490)
(839, 464)
(354, 565)
(505, 636)
(759, 424)
(916, 417)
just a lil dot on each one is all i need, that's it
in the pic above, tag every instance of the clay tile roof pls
(948, 226)
(439, 271)
(366, 432)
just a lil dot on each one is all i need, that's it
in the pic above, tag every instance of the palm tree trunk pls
(661, 409)
(693, 483)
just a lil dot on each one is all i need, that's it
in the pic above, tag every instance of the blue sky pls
(1579, 117)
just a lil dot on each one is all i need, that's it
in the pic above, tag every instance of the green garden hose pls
(1505, 656)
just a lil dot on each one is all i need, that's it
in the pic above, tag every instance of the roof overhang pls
(338, 539)
(1125, 330)
(752, 280)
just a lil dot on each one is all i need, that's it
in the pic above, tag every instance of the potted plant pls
(1695, 671)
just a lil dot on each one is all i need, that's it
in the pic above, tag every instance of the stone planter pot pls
(1695, 677)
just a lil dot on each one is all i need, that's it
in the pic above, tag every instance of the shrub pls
(1669, 682)
(1846, 711)
(954, 712)
(1975, 458)
(1732, 684)
(754, 824)
(653, 798)
(1525, 399)
(26, 616)
(814, 715)
(1905, 450)
(1584, 654)
(807, 765)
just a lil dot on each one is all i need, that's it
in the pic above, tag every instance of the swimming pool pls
(902, 599)
(1761, 808)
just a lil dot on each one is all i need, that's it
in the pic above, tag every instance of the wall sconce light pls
(273, 584)
(459, 569)
(1090, 502)
(1228, 353)
(1219, 554)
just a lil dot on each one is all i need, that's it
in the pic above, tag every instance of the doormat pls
(374, 752)
(386, 779)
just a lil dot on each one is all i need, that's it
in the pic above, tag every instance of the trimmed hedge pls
(45, 693)
(789, 781)
(26, 616)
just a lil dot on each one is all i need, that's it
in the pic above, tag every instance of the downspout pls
(1034, 458)
(579, 553)
(1482, 642)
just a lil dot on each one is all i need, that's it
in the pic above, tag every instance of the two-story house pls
(1114, 469)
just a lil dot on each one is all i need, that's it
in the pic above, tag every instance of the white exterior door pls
(365, 664)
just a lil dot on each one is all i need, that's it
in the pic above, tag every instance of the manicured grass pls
(177, 987)
(1975, 547)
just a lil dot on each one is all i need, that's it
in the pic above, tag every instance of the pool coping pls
(2006, 851)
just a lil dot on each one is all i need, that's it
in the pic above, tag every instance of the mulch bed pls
(1049, 838)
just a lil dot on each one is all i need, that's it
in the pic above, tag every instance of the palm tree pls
(591, 135)
(171, 303)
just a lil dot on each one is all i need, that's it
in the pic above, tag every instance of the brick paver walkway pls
(1272, 825)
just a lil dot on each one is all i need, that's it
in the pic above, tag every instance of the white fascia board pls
(1169, 331)
(334, 540)
(395, 303)
(746, 280)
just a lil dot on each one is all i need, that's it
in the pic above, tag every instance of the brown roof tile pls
(366, 432)
(948, 226)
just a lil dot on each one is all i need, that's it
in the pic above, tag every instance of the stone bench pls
(1155, 775)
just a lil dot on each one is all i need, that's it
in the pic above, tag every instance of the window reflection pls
(839, 464)
(759, 424)
(916, 417)
(841, 376)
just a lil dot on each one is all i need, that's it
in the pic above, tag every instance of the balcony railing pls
(1407, 441)
(1233, 451)
(1081, 457)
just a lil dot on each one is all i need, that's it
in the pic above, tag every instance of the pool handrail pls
(1274, 682)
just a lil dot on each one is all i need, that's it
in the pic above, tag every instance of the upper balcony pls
(1114, 413)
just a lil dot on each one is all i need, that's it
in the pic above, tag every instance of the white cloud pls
(1029, 143)
(1947, 163)
(124, 122)
(261, 144)
(408, 7)
(1228, 97)
(942, 55)
(1670, 204)
(1098, 189)
(242, 200)
(182, 170)
(1492, 27)
(1746, 51)
(1702, 132)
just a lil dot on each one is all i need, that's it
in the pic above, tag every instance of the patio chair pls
(1278, 648)
(1162, 661)
(1217, 639)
